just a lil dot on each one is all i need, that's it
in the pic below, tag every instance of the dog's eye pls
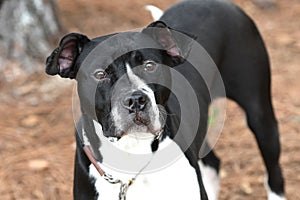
(150, 66)
(99, 75)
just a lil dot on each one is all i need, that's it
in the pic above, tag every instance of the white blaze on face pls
(139, 84)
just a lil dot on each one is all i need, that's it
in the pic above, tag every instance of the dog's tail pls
(155, 11)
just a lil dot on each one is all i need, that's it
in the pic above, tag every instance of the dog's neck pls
(135, 143)
(130, 145)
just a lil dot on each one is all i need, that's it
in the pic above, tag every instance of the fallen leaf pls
(30, 121)
(38, 164)
(246, 188)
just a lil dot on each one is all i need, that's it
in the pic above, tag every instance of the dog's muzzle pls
(135, 102)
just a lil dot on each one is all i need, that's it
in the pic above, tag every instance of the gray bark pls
(28, 27)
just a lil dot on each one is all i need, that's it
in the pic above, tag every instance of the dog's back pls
(233, 41)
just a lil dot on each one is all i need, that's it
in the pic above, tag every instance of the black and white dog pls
(120, 101)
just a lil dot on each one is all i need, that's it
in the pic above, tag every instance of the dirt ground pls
(36, 124)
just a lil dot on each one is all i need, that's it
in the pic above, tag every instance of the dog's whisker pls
(163, 111)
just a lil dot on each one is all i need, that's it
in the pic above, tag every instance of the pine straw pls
(41, 139)
(38, 126)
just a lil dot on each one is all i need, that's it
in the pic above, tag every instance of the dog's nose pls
(136, 102)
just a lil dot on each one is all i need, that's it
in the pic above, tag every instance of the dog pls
(121, 104)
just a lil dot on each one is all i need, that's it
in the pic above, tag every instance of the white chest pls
(177, 181)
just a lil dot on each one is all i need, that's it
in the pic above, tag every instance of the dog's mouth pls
(140, 120)
(139, 124)
(140, 137)
(135, 131)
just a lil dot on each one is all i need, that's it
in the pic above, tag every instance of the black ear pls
(170, 39)
(63, 59)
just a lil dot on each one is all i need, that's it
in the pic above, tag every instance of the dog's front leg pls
(83, 187)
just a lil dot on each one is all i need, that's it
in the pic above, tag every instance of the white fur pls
(141, 85)
(117, 118)
(85, 138)
(177, 181)
(211, 180)
(136, 143)
(155, 12)
(272, 195)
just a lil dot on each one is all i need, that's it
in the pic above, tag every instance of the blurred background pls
(36, 124)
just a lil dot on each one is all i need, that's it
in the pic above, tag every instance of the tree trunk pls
(28, 27)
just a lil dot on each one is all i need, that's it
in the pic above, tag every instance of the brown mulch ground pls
(36, 124)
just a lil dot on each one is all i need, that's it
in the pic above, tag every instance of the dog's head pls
(124, 86)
